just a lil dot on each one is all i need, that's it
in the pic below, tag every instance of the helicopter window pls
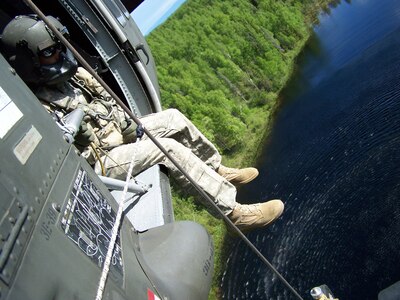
(118, 10)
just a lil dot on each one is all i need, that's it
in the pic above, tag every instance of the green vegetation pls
(223, 64)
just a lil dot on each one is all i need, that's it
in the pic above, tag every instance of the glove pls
(85, 135)
(140, 131)
(128, 131)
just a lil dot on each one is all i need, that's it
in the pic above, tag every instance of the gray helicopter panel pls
(43, 227)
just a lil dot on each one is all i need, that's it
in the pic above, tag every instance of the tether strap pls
(115, 230)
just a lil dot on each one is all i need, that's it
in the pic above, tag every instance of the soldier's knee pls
(174, 113)
(177, 120)
(172, 146)
(172, 110)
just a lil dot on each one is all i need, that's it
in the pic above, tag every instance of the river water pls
(333, 157)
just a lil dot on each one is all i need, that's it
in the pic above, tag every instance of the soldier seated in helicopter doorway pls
(51, 70)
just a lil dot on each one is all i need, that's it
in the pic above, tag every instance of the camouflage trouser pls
(187, 145)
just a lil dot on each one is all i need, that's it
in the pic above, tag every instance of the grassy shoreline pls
(250, 153)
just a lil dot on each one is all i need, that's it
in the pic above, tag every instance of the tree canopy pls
(218, 60)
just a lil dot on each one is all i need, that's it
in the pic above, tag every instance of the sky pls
(152, 13)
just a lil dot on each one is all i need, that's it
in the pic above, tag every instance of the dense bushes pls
(218, 60)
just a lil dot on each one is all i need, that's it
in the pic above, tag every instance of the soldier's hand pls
(128, 131)
(85, 135)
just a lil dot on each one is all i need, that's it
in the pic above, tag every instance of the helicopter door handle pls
(141, 47)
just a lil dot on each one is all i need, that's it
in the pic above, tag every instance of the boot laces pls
(248, 209)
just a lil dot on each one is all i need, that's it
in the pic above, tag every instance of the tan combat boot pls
(251, 216)
(238, 176)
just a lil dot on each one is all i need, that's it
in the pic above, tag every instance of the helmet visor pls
(61, 66)
(50, 51)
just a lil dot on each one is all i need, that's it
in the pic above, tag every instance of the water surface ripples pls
(334, 158)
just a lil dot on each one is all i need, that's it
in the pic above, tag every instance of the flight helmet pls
(28, 42)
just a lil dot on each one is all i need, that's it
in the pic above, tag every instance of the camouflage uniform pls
(190, 148)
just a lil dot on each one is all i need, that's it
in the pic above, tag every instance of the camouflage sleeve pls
(91, 83)
(125, 125)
